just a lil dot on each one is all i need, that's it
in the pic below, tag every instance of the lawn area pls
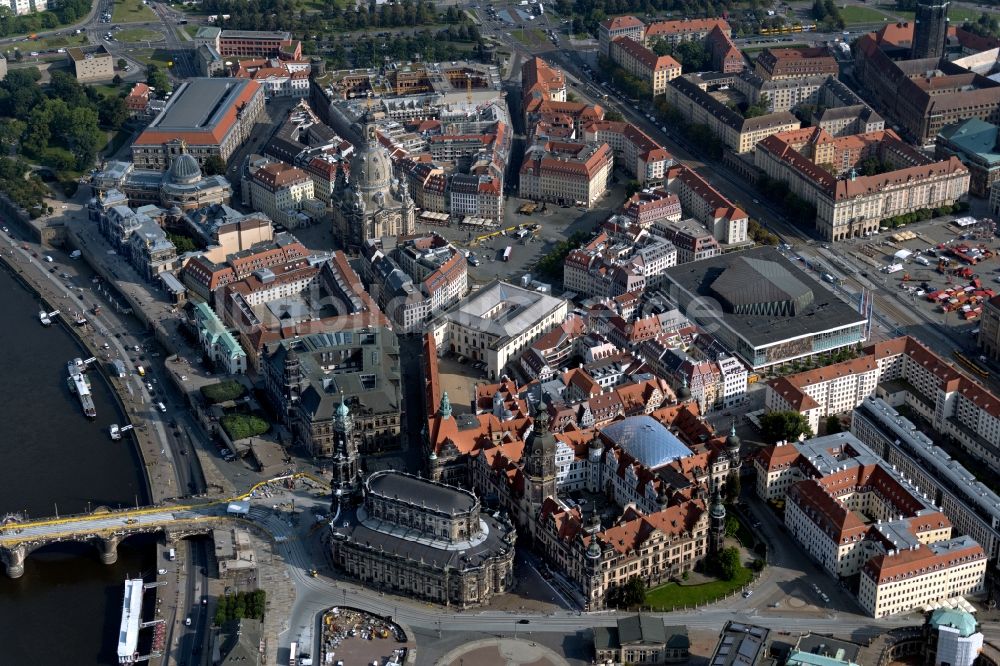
(44, 43)
(157, 57)
(668, 596)
(109, 90)
(530, 37)
(223, 391)
(241, 426)
(132, 11)
(891, 10)
(959, 15)
(855, 15)
(139, 35)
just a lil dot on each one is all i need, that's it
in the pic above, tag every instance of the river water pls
(66, 607)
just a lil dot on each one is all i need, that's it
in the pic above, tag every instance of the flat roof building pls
(205, 117)
(496, 323)
(91, 63)
(741, 645)
(976, 143)
(769, 311)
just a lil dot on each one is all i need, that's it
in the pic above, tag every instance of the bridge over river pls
(107, 528)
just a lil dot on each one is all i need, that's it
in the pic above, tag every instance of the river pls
(65, 609)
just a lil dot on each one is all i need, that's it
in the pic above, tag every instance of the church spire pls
(445, 408)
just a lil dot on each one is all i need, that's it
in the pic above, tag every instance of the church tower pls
(292, 380)
(733, 449)
(930, 31)
(540, 468)
(717, 521)
(345, 450)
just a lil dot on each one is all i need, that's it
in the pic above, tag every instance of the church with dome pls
(371, 202)
(182, 187)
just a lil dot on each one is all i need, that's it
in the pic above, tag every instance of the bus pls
(506, 253)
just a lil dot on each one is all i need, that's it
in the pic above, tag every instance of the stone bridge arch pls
(14, 555)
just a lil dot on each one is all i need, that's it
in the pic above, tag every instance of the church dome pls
(371, 168)
(184, 169)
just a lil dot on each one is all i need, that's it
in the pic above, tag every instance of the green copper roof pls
(974, 137)
(957, 619)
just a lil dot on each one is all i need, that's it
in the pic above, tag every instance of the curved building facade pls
(426, 540)
(371, 203)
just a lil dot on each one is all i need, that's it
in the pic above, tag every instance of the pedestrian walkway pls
(502, 652)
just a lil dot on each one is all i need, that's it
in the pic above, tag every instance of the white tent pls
(902, 255)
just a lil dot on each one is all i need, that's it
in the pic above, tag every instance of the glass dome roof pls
(647, 440)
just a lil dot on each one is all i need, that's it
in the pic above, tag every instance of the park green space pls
(530, 37)
(671, 595)
(854, 15)
(132, 11)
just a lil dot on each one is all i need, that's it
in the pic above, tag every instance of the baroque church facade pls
(371, 202)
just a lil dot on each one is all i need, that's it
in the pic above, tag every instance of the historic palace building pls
(426, 540)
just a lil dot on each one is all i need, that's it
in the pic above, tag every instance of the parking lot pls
(903, 292)
(556, 223)
(930, 243)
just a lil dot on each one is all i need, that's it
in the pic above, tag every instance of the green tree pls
(111, 112)
(733, 487)
(614, 116)
(65, 87)
(631, 594)
(214, 166)
(11, 131)
(833, 425)
(182, 243)
(787, 426)
(732, 526)
(158, 79)
(729, 563)
(122, 63)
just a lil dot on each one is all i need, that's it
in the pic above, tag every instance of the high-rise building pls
(931, 29)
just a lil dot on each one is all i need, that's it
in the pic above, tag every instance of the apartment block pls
(566, 172)
(689, 94)
(972, 508)
(692, 240)
(795, 63)
(635, 151)
(827, 391)
(643, 64)
(855, 514)
(617, 28)
(854, 206)
(726, 221)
